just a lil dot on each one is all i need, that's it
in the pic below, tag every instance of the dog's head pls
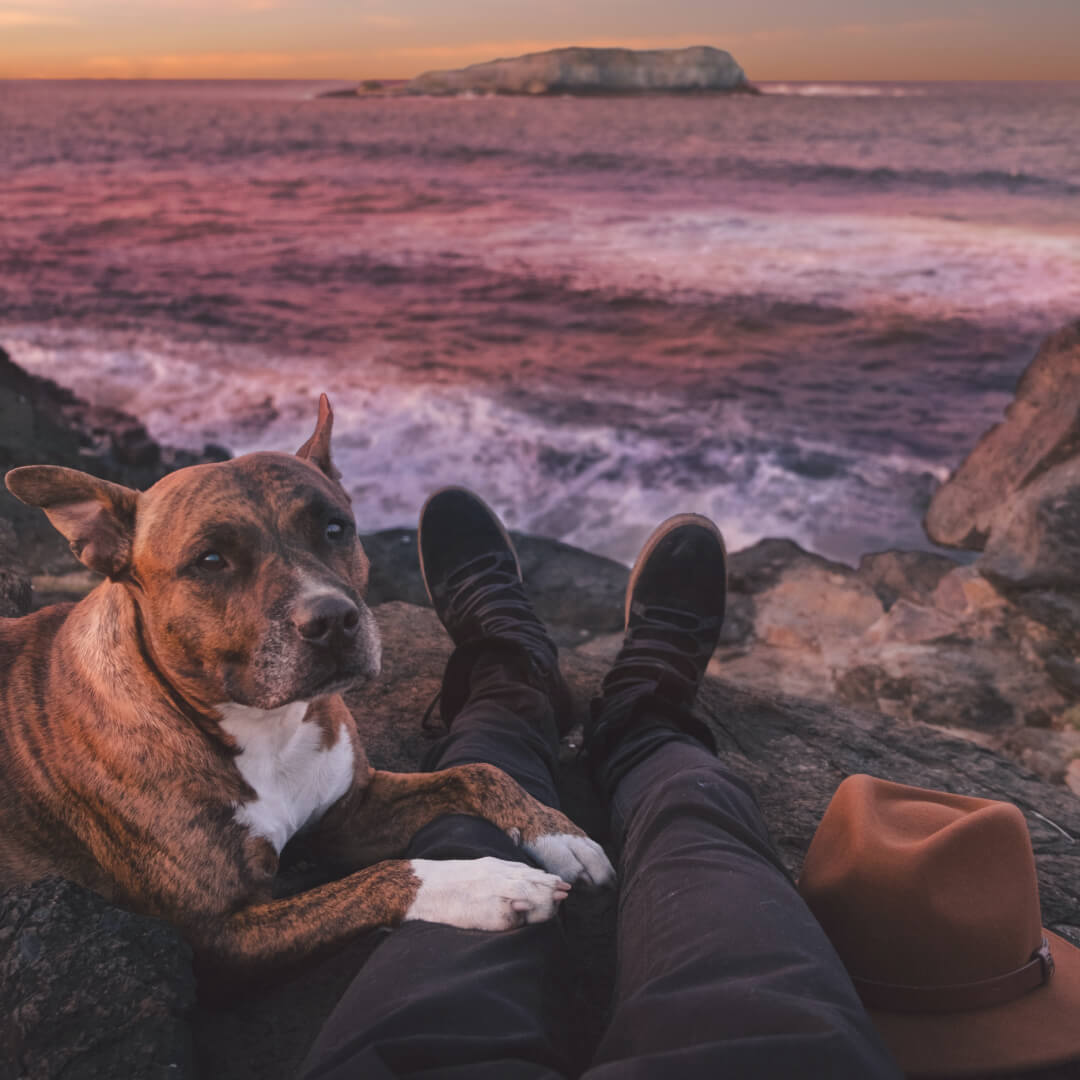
(247, 575)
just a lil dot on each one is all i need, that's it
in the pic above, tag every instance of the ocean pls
(795, 313)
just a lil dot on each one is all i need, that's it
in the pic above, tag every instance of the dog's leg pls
(378, 820)
(475, 894)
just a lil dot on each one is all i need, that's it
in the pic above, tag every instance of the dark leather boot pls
(674, 612)
(473, 578)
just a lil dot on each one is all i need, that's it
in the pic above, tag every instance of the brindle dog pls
(162, 740)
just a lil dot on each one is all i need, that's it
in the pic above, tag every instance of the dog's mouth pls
(321, 682)
(344, 675)
(339, 683)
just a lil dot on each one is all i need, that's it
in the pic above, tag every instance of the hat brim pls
(1035, 1030)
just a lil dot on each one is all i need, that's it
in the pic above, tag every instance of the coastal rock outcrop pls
(1041, 430)
(579, 70)
(44, 423)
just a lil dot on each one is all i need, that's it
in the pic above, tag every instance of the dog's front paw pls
(574, 858)
(484, 894)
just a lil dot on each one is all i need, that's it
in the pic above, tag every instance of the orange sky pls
(352, 39)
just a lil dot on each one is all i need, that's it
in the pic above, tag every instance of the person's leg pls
(722, 970)
(432, 1000)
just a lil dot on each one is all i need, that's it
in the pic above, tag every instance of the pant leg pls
(723, 971)
(505, 722)
(442, 1003)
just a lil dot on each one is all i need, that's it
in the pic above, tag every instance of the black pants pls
(722, 970)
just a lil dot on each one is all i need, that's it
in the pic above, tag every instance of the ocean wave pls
(836, 89)
(598, 477)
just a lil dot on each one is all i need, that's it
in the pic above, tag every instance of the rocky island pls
(577, 70)
(946, 673)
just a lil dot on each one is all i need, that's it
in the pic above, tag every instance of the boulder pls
(1035, 542)
(88, 990)
(578, 70)
(1041, 429)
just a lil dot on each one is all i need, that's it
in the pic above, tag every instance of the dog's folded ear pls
(317, 448)
(96, 517)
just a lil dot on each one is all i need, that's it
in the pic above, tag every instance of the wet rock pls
(1041, 429)
(88, 990)
(578, 70)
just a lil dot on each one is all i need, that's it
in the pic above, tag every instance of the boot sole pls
(491, 513)
(652, 543)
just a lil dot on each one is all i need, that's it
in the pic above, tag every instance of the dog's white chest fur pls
(295, 778)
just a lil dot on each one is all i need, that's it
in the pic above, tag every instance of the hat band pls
(985, 994)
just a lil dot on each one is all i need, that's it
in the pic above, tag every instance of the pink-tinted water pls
(793, 312)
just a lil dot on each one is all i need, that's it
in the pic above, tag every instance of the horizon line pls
(404, 79)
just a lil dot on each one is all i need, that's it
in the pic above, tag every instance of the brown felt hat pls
(932, 902)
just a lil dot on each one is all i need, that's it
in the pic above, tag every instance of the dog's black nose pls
(324, 620)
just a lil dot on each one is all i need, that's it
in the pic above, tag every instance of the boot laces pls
(486, 593)
(663, 643)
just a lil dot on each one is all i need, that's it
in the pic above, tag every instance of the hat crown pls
(923, 888)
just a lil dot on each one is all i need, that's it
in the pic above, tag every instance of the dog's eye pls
(336, 530)
(210, 560)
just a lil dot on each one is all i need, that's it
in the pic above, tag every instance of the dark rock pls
(41, 423)
(908, 575)
(88, 990)
(571, 589)
(1041, 429)
(578, 70)
(15, 592)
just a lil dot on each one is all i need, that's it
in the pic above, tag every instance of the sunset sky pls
(352, 39)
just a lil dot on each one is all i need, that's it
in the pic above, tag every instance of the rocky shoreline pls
(912, 666)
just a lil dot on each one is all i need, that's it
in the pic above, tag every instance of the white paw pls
(573, 858)
(484, 894)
